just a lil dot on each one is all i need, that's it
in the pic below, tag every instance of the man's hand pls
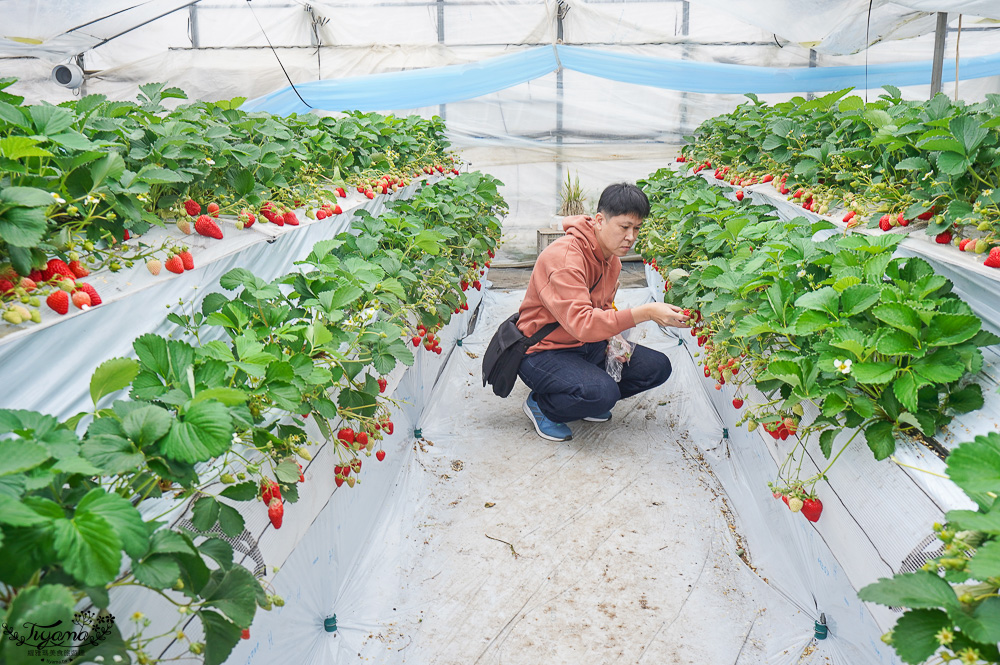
(661, 313)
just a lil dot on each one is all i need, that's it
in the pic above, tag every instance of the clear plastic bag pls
(618, 353)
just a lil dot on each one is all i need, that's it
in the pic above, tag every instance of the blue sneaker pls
(547, 429)
(600, 418)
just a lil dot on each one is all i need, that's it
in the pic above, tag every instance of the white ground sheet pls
(495, 546)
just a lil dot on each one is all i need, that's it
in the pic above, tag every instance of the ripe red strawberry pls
(943, 238)
(269, 490)
(213, 209)
(126, 235)
(186, 259)
(245, 634)
(5, 286)
(36, 276)
(902, 221)
(275, 512)
(849, 216)
(56, 267)
(962, 243)
(388, 427)
(184, 226)
(337, 210)
(341, 193)
(346, 434)
(81, 298)
(290, 218)
(382, 383)
(380, 455)
(78, 269)
(740, 195)
(812, 509)
(154, 266)
(784, 190)
(247, 218)
(767, 178)
(356, 465)
(95, 299)
(339, 479)
(737, 402)
(927, 214)
(885, 223)
(477, 285)
(59, 301)
(416, 341)
(369, 193)
(174, 264)
(321, 213)
(206, 227)
(993, 260)
(362, 439)
(192, 208)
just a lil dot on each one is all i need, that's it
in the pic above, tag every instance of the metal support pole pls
(940, 34)
(561, 9)
(812, 63)
(193, 20)
(83, 84)
(685, 53)
(440, 27)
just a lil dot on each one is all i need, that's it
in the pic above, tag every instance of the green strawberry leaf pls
(975, 465)
(914, 635)
(121, 515)
(88, 547)
(221, 636)
(881, 441)
(203, 432)
(919, 590)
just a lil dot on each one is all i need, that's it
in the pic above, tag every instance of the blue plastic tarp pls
(441, 85)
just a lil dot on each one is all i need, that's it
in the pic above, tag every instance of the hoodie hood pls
(582, 227)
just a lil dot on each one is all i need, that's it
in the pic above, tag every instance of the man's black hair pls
(623, 198)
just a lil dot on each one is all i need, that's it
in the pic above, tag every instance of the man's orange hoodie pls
(559, 290)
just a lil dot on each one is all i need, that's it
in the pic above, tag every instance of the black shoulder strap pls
(544, 331)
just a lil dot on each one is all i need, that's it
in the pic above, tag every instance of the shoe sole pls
(531, 417)
(596, 420)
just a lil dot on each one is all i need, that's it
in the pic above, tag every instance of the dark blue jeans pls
(570, 384)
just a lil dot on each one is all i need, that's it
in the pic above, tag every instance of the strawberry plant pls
(952, 604)
(876, 344)
(79, 179)
(931, 165)
(217, 418)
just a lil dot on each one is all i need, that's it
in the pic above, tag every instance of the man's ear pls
(598, 218)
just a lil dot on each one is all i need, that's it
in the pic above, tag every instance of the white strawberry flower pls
(802, 273)
(842, 366)
(91, 199)
(60, 200)
(210, 161)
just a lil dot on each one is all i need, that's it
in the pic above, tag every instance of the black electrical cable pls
(276, 57)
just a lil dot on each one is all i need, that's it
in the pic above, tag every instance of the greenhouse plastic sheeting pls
(440, 85)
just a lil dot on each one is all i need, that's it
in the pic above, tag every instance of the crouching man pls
(574, 283)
